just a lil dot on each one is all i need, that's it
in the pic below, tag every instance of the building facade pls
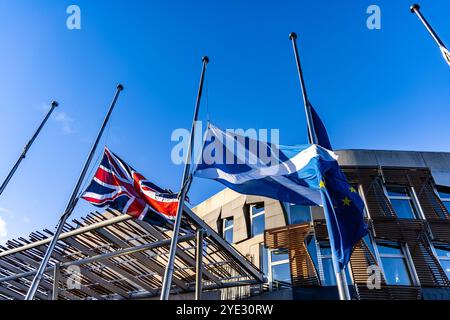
(405, 256)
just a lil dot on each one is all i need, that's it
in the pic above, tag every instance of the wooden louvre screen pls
(414, 234)
(363, 257)
(292, 238)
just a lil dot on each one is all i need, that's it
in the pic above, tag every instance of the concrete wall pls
(437, 162)
(228, 203)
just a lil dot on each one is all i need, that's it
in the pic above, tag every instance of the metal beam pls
(180, 253)
(56, 277)
(68, 234)
(95, 258)
(151, 265)
(247, 265)
(199, 265)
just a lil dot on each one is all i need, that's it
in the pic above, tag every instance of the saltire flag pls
(343, 207)
(118, 186)
(288, 174)
(304, 175)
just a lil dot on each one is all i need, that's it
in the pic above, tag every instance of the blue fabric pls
(291, 185)
(343, 207)
(319, 127)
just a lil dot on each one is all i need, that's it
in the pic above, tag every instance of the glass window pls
(275, 265)
(401, 201)
(328, 278)
(228, 224)
(257, 219)
(394, 264)
(445, 198)
(443, 254)
(280, 268)
(264, 260)
(298, 214)
(279, 255)
(281, 273)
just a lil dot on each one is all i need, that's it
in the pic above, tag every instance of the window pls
(443, 254)
(394, 263)
(445, 198)
(327, 275)
(280, 269)
(402, 201)
(275, 265)
(228, 224)
(298, 214)
(257, 219)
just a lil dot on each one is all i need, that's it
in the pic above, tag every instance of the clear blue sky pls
(374, 89)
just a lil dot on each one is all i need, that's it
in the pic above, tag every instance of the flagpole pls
(71, 203)
(27, 147)
(341, 281)
(168, 274)
(312, 133)
(415, 8)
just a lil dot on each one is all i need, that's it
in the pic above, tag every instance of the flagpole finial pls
(414, 7)
(292, 36)
(55, 104)
(120, 87)
(205, 59)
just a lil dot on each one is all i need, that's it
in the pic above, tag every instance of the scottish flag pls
(304, 175)
(254, 167)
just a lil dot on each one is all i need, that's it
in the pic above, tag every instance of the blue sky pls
(374, 89)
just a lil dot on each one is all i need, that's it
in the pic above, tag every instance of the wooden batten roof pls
(111, 256)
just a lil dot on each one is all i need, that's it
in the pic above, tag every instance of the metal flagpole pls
(27, 147)
(71, 204)
(415, 8)
(341, 281)
(165, 290)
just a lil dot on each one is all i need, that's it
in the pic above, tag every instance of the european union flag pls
(343, 207)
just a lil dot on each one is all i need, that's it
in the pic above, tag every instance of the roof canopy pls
(111, 256)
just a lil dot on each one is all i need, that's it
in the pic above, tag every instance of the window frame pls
(225, 229)
(443, 200)
(271, 264)
(252, 216)
(438, 257)
(321, 270)
(406, 256)
(287, 207)
(412, 198)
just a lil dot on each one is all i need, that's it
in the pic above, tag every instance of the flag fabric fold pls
(320, 131)
(118, 186)
(343, 207)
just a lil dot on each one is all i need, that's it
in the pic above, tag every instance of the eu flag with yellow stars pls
(344, 211)
(343, 207)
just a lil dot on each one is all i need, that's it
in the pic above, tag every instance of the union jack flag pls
(117, 185)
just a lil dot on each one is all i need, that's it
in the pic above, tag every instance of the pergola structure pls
(111, 256)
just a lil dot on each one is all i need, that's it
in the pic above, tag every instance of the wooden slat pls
(292, 238)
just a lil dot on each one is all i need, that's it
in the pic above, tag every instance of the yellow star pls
(353, 190)
(346, 201)
(321, 184)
